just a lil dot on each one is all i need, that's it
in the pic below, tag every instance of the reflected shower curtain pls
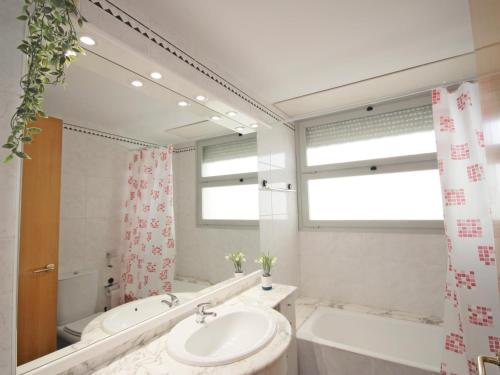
(148, 256)
(472, 315)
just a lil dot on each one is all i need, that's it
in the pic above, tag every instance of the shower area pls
(117, 215)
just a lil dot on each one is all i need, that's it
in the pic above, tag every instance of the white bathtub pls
(340, 342)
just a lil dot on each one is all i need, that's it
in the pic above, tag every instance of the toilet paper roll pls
(113, 298)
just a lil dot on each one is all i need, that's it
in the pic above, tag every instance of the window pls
(227, 181)
(371, 169)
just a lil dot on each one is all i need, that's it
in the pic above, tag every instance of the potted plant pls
(238, 258)
(50, 45)
(267, 262)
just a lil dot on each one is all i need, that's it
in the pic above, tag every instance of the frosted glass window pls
(412, 195)
(236, 157)
(229, 166)
(233, 202)
(399, 133)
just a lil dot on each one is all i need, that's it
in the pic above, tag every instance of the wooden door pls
(39, 243)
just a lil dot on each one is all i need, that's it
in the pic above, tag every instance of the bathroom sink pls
(235, 333)
(132, 313)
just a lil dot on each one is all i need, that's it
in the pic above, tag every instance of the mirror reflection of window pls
(228, 180)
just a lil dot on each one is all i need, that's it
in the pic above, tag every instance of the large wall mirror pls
(134, 195)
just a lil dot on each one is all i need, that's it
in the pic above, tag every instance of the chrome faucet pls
(174, 301)
(201, 314)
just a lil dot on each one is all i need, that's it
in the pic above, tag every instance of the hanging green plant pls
(51, 43)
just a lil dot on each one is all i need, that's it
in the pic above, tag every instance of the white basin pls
(236, 333)
(131, 313)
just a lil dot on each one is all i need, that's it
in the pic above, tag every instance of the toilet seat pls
(72, 332)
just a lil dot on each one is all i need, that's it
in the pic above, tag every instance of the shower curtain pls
(148, 256)
(472, 314)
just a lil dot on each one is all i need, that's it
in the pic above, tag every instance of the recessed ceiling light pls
(155, 75)
(70, 53)
(136, 83)
(239, 129)
(201, 98)
(231, 113)
(183, 103)
(215, 118)
(87, 40)
(254, 126)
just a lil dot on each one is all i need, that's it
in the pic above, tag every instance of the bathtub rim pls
(305, 333)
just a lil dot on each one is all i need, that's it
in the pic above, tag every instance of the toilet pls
(76, 304)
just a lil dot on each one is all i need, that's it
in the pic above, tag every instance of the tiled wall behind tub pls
(201, 250)
(393, 271)
(278, 209)
(93, 184)
(11, 61)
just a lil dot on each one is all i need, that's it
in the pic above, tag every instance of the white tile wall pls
(92, 190)
(278, 210)
(11, 31)
(387, 270)
(201, 250)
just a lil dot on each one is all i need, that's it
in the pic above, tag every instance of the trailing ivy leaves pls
(50, 36)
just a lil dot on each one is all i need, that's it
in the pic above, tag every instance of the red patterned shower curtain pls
(148, 256)
(472, 313)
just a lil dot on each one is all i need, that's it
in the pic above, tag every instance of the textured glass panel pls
(230, 158)
(414, 195)
(399, 133)
(233, 202)
(369, 149)
(229, 166)
(240, 148)
(410, 120)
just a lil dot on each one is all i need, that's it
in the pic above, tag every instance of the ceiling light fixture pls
(87, 40)
(231, 113)
(201, 98)
(155, 75)
(215, 118)
(182, 103)
(70, 53)
(239, 129)
(136, 83)
(254, 126)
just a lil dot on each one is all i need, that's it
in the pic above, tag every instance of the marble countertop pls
(256, 296)
(152, 358)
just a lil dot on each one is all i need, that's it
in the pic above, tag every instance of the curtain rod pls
(383, 99)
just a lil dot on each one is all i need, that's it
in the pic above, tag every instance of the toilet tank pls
(76, 295)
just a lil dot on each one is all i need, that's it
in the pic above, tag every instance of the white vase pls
(239, 274)
(267, 282)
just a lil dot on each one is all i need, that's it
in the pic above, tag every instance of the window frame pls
(225, 180)
(426, 161)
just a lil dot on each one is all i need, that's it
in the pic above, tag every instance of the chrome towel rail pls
(288, 189)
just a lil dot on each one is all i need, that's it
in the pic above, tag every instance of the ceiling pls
(282, 49)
